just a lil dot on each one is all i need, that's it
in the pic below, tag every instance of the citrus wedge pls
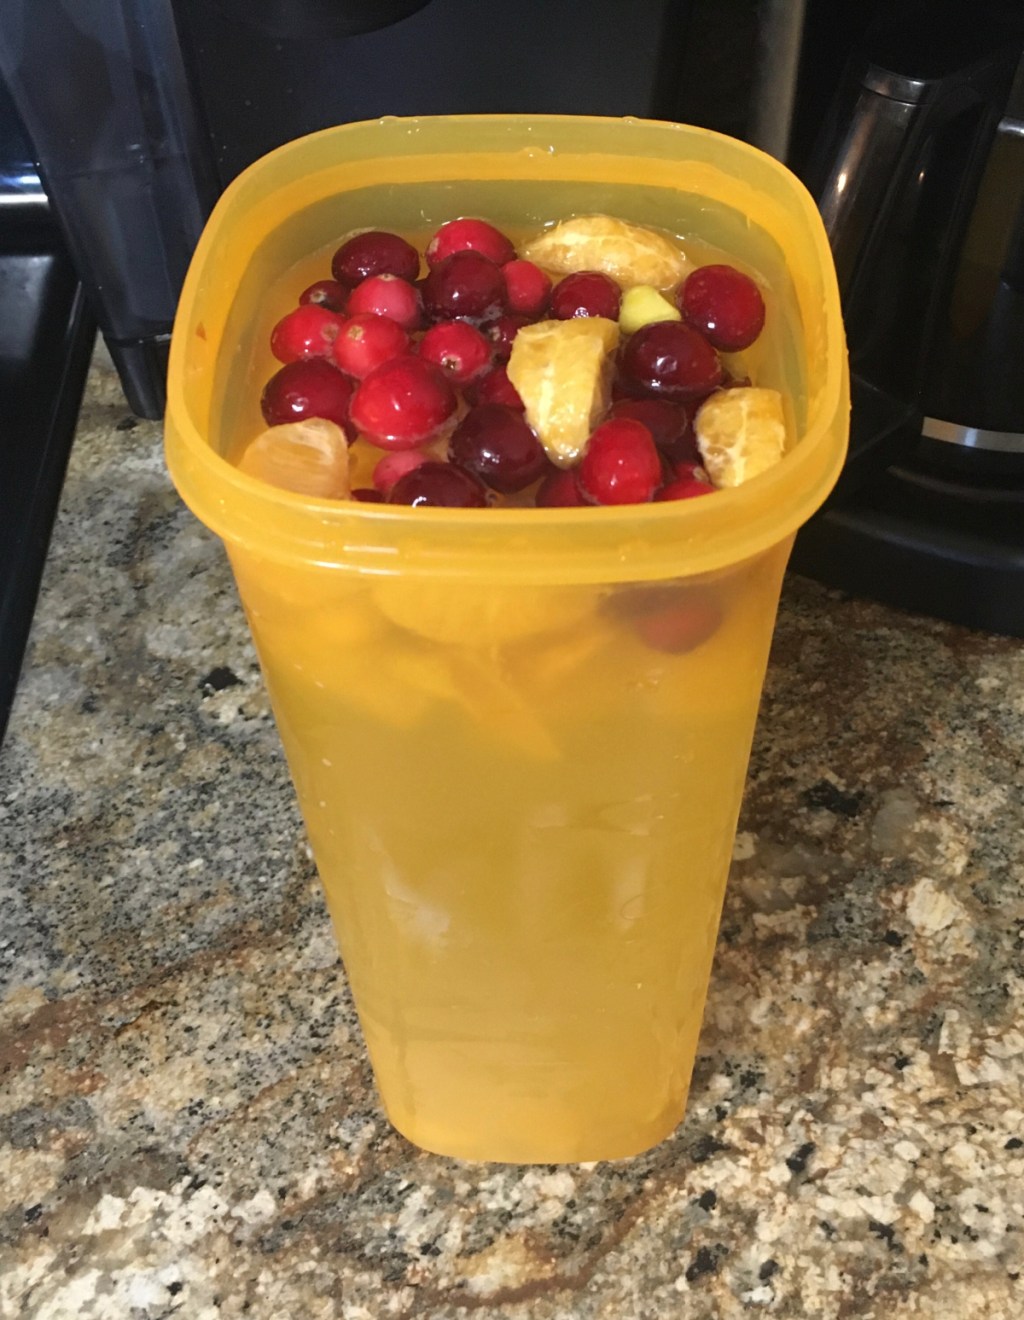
(741, 433)
(562, 370)
(309, 457)
(630, 254)
(478, 616)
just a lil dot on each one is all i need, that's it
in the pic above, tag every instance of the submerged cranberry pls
(559, 490)
(388, 295)
(368, 341)
(439, 484)
(620, 464)
(527, 288)
(496, 444)
(376, 252)
(469, 235)
(403, 403)
(308, 331)
(724, 305)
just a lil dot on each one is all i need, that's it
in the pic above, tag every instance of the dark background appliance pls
(139, 112)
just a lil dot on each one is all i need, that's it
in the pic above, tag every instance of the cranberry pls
(310, 387)
(461, 351)
(495, 387)
(724, 305)
(367, 496)
(308, 331)
(368, 341)
(559, 490)
(441, 484)
(621, 464)
(464, 285)
(501, 333)
(670, 424)
(395, 465)
(669, 618)
(496, 444)
(688, 480)
(325, 293)
(402, 403)
(586, 293)
(527, 287)
(375, 253)
(469, 235)
(672, 360)
(388, 295)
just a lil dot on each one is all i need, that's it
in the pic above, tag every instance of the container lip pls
(631, 540)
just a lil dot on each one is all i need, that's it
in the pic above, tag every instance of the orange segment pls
(308, 457)
(562, 370)
(741, 433)
(630, 254)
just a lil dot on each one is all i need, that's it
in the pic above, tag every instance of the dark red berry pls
(501, 333)
(670, 425)
(464, 285)
(672, 619)
(387, 295)
(308, 388)
(367, 496)
(441, 484)
(375, 253)
(403, 403)
(461, 350)
(527, 288)
(724, 305)
(495, 387)
(496, 444)
(469, 235)
(395, 465)
(308, 331)
(586, 293)
(367, 342)
(559, 490)
(325, 293)
(620, 465)
(671, 360)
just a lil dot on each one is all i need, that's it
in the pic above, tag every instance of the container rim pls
(613, 543)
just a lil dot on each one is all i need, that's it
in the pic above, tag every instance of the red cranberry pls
(469, 235)
(724, 305)
(496, 444)
(308, 331)
(368, 341)
(586, 293)
(402, 403)
(495, 387)
(367, 496)
(672, 619)
(621, 464)
(464, 285)
(308, 388)
(670, 424)
(559, 490)
(501, 333)
(325, 293)
(395, 465)
(688, 480)
(388, 295)
(527, 288)
(671, 360)
(441, 484)
(374, 253)
(461, 350)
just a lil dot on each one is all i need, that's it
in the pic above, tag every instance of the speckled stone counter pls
(187, 1123)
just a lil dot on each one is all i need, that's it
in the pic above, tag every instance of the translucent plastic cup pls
(519, 737)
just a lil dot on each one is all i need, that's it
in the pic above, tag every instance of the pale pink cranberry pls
(469, 235)
(527, 288)
(395, 465)
(308, 331)
(620, 465)
(367, 342)
(387, 295)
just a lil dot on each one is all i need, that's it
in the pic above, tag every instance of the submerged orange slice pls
(741, 433)
(308, 457)
(630, 254)
(562, 370)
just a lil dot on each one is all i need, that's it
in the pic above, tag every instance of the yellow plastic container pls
(519, 737)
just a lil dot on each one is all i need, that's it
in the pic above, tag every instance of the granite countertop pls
(187, 1123)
